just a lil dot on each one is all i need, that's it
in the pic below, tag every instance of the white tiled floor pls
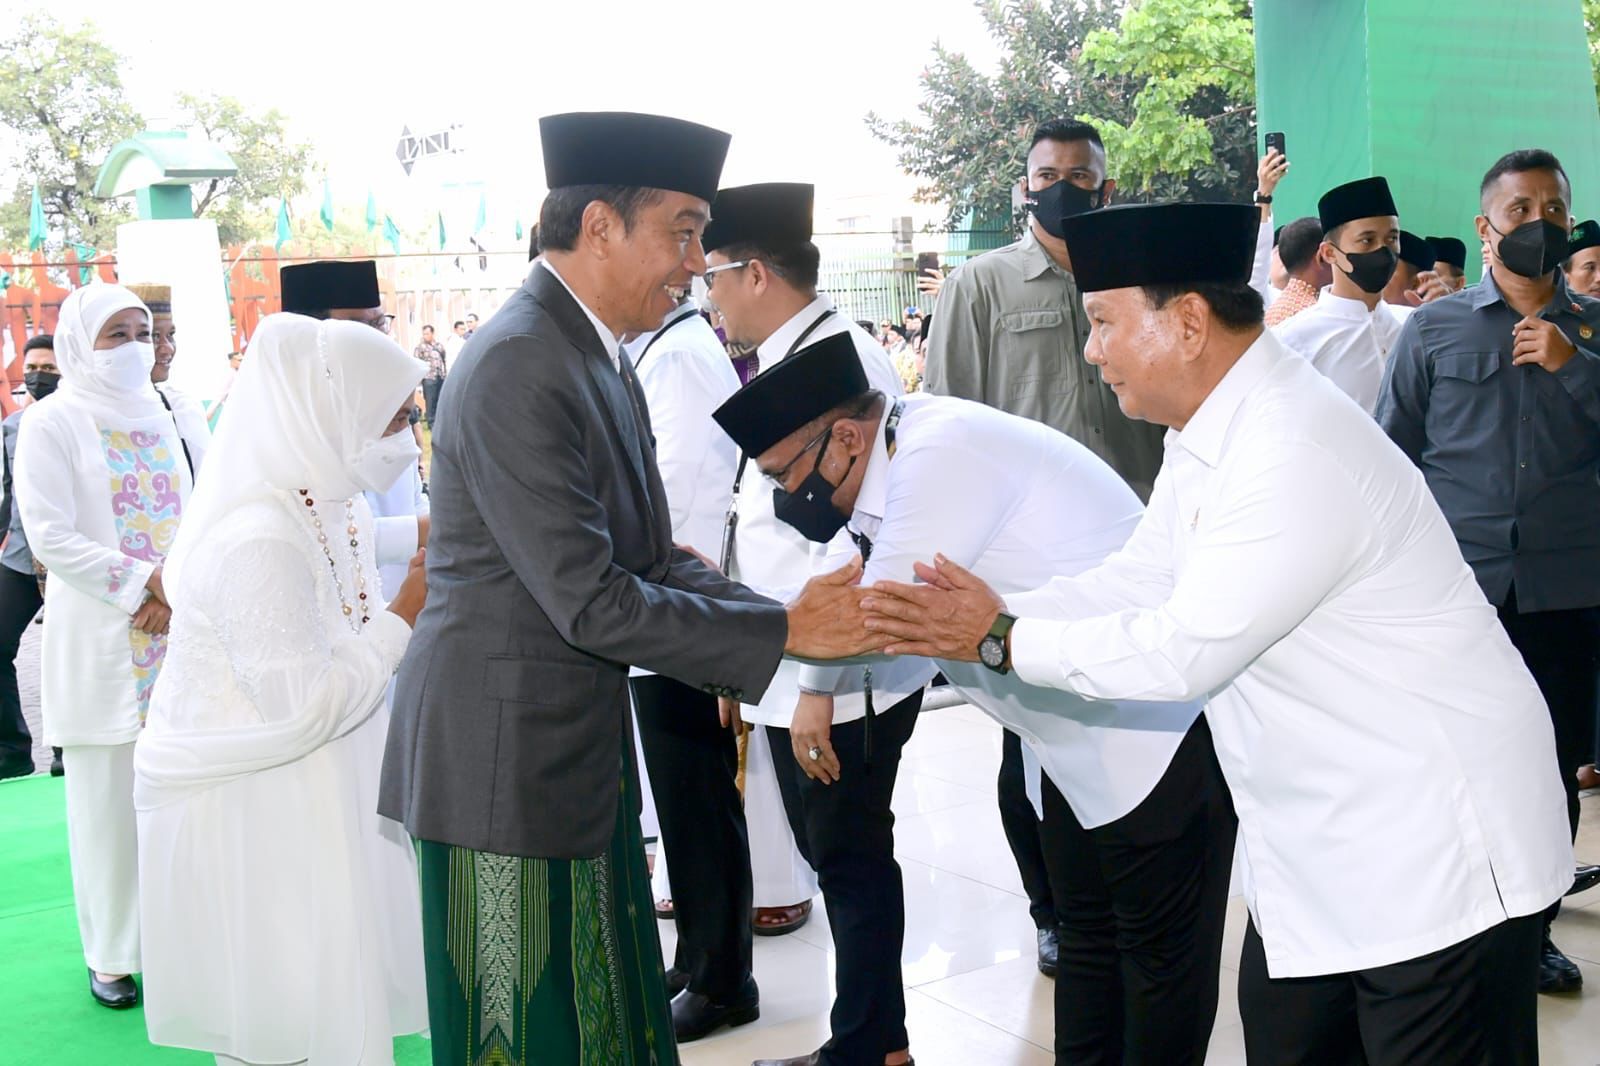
(974, 996)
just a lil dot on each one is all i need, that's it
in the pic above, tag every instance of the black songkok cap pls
(1367, 198)
(330, 285)
(775, 213)
(1416, 251)
(640, 151)
(783, 398)
(1453, 250)
(1162, 244)
(1584, 235)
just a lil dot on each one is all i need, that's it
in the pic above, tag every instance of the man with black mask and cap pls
(1347, 335)
(1414, 282)
(1495, 395)
(1010, 332)
(20, 597)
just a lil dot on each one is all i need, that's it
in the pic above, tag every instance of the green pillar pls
(164, 202)
(1428, 94)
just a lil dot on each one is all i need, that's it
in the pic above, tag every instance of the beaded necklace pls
(355, 555)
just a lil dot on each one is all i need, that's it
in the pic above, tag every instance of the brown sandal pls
(776, 921)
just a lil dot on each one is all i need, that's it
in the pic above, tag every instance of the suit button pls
(738, 694)
(709, 688)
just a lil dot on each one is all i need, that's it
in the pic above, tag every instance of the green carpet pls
(45, 1011)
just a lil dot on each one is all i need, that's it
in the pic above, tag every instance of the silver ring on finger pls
(815, 753)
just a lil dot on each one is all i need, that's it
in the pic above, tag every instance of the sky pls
(792, 83)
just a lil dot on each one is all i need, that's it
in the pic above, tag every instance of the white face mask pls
(382, 462)
(125, 368)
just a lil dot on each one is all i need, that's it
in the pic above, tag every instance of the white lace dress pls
(280, 912)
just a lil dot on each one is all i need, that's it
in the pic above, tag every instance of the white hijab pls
(84, 381)
(308, 403)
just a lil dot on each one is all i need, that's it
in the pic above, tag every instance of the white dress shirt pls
(1390, 757)
(774, 559)
(395, 528)
(685, 374)
(612, 344)
(1017, 503)
(1347, 342)
(1261, 265)
(1401, 312)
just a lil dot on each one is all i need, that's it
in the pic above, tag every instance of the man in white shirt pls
(1138, 825)
(761, 273)
(1348, 333)
(1401, 819)
(691, 758)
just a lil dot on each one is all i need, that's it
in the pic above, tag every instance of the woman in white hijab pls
(281, 920)
(102, 477)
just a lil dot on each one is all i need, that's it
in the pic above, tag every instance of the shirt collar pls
(1035, 260)
(1345, 307)
(873, 499)
(1207, 431)
(1486, 293)
(612, 345)
(775, 347)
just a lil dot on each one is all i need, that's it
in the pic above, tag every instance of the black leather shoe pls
(56, 769)
(16, 766)
(1557, 973)
(677, 981)
(123, 993)
(1584, 879)
(1049, 952)
(694, 1016)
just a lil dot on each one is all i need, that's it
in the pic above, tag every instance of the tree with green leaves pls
(1591, 23)
(1169, 83)
(271, 165)
(62, 108)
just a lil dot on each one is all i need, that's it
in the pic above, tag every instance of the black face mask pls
(1371, 271)
(40, 383)
(1534, 249)
(1062, 200)
(809, 508)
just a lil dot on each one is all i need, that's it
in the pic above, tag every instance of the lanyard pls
(865, 544)
(662, 332)
(175, 428)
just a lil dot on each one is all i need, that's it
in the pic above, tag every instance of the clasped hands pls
(944, 615)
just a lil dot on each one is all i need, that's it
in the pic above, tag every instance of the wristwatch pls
(992, 650)
(1262, 198)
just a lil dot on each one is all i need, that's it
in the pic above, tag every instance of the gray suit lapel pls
(555, 298)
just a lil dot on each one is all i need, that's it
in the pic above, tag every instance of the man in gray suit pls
(551, 570)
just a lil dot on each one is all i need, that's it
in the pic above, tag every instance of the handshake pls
(945, 615)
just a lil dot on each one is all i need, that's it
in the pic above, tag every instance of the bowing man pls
(1138, 827)
(1401, 822)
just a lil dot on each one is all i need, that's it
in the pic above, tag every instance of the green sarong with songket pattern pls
(546, 962)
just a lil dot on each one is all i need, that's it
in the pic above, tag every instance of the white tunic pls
(77, 482)
(395, 515)
(1390, 757)
(280, 912)
(774, 559)
(1017, 503)
(1346, 342)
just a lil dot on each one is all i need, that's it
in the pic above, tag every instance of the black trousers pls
(1562, 651)
(693, 763)
(430, 397)
(19, 602)
(1143, 900)
(846, 832)
(1022, 831)
(1472, 1004)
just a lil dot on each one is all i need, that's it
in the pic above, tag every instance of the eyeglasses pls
(712, 272)
(782, 476)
